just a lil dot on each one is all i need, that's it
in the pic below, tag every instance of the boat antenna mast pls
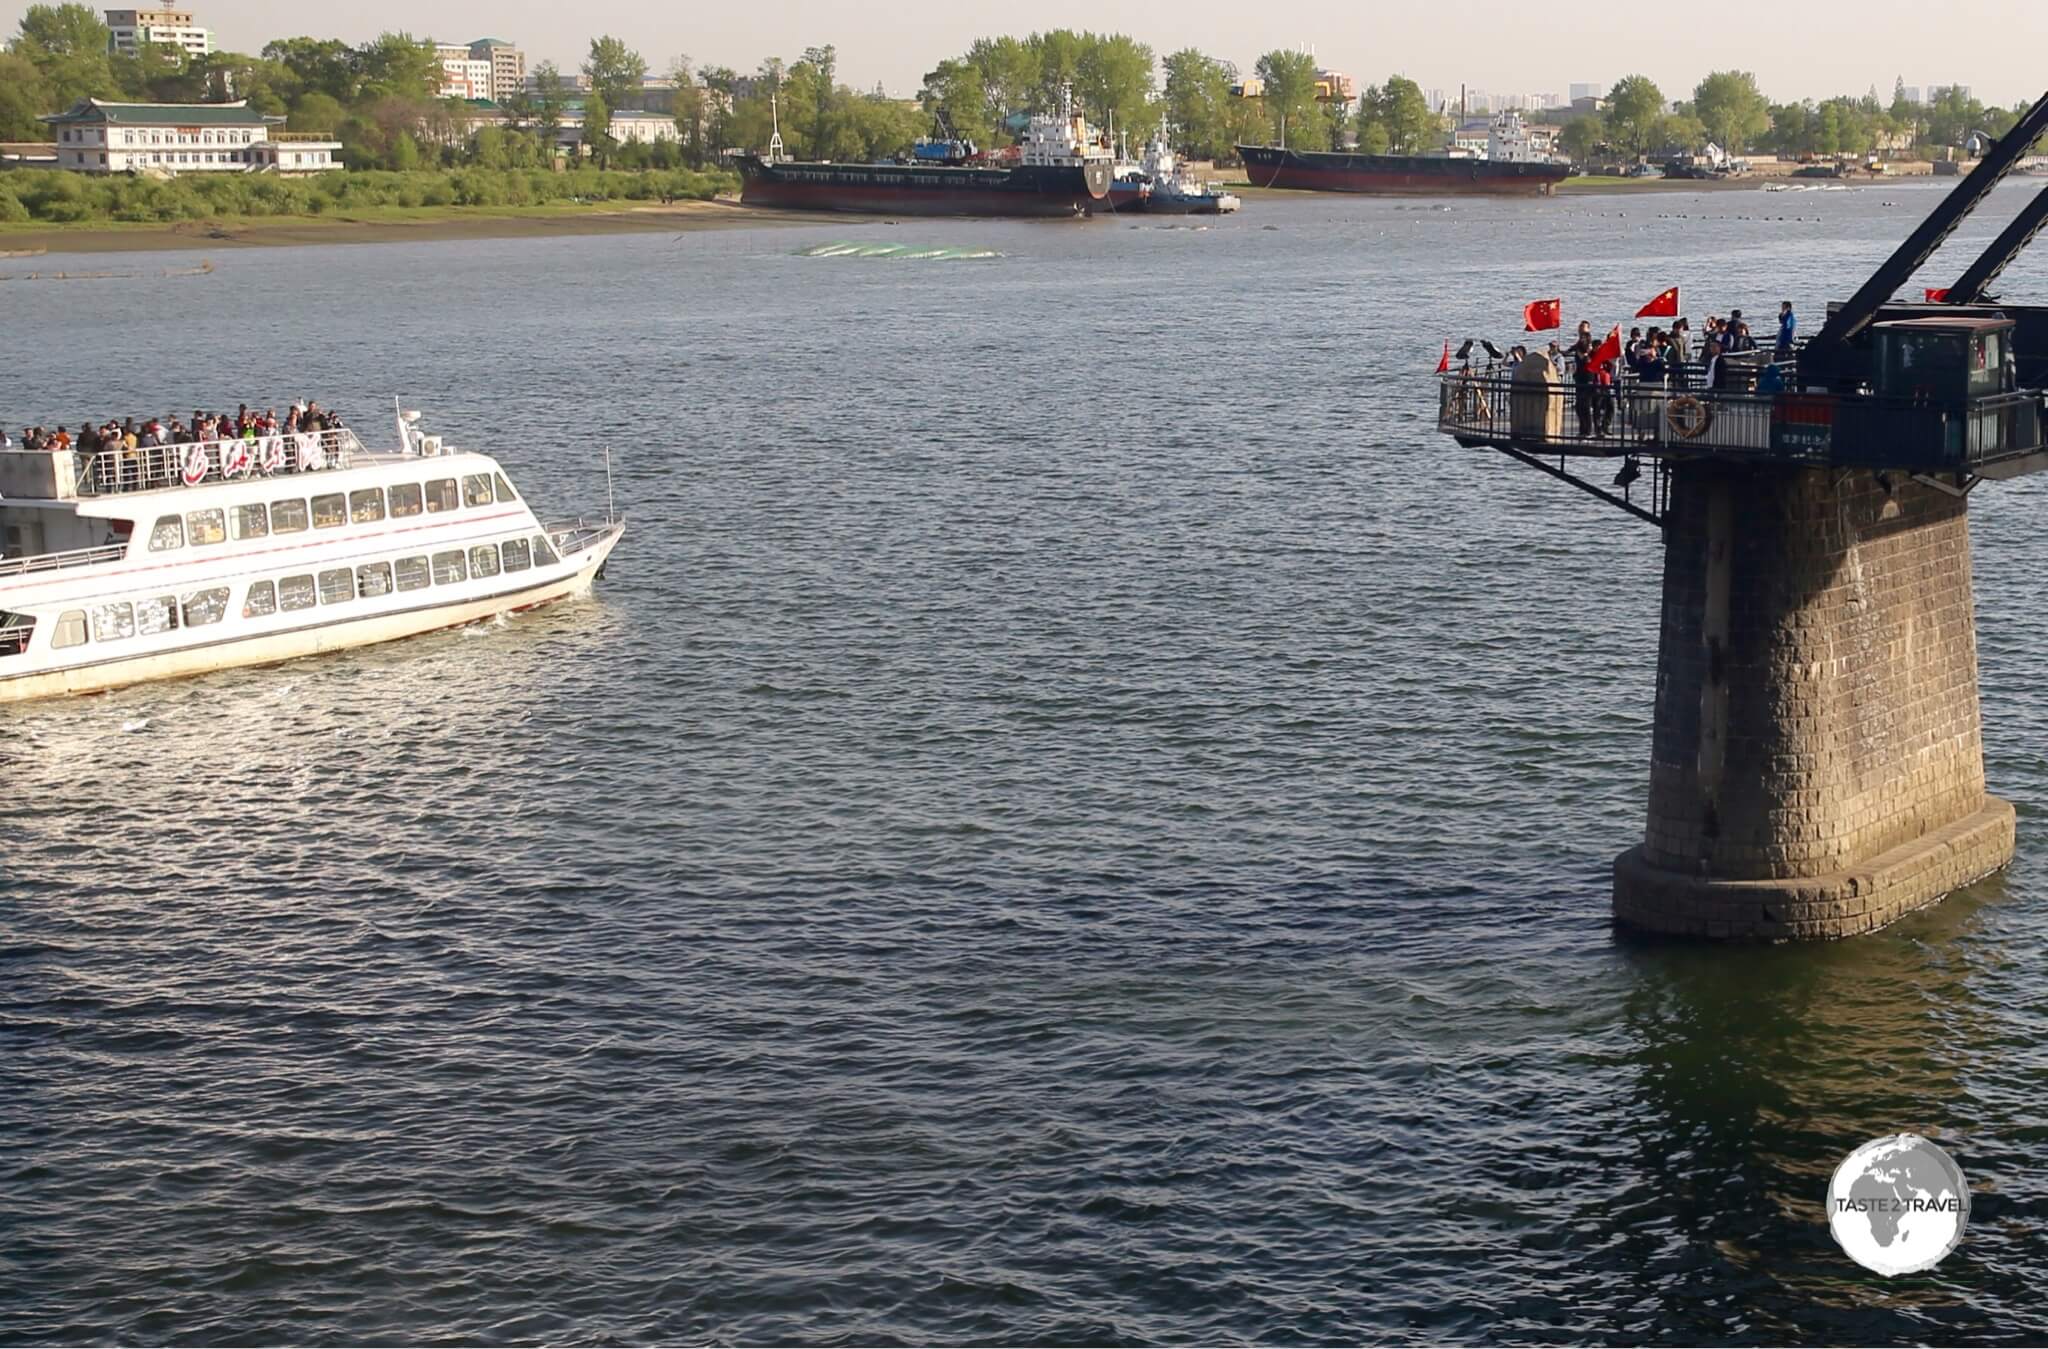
(775, 155)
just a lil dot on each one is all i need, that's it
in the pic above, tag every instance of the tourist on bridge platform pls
(1582, 379)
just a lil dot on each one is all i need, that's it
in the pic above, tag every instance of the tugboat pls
(1177, 192)
(1058, 170)
(1512, 167)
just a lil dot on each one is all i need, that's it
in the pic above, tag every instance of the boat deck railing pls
(1635, 419)
(150, 467)
(14, 638)
(573, 536)
(75, 557)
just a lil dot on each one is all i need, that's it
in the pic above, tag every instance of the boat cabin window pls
(287, 517)
(206, 526)
(367, 506)
(373, 579)
(406, 499)
(337, 585)
(261, 601)
(328, 512)
(413, 573)
(518, 557)
(112, 622)
(504, 488)
(295, 592)
(543, 552)
(159, 614)
(249, 522)
(203, 607)
(441, 495)
(70, 630)
(449, 568)
(483, 560)
(476, 489)
(168, 533)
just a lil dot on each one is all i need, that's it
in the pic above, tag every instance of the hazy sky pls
(1797, 48)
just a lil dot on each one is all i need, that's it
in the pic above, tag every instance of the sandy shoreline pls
(383, 227)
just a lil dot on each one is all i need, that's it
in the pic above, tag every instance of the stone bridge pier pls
(1817, 766)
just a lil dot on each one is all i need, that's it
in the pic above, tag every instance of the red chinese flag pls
(1609, 350)
(1937, 294)
(1445, 364)
(1540, 314)
(1665, 306)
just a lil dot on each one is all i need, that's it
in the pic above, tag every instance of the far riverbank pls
(22, 243)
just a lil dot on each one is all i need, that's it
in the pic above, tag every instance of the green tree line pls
(1729, 109)
(380, 99)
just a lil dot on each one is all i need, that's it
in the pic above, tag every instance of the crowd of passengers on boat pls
(118, 620)
(124, 434)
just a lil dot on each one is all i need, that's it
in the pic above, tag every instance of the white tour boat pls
(125, 565)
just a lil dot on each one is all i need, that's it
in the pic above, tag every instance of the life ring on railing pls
(273, 454)
(234, 458)
(195, 465)
(310, 453)
(1688, 417)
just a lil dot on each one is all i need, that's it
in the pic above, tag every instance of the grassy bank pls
(46, 197)
(382, 224)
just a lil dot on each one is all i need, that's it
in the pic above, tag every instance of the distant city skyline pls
(1816, 49)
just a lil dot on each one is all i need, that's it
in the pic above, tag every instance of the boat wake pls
(916, 252)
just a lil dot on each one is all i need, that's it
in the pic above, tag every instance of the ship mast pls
(775, 155)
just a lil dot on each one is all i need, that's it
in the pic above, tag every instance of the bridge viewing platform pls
(1817, 763)
(1946, 406)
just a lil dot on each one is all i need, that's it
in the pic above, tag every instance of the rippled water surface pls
(1074, 816)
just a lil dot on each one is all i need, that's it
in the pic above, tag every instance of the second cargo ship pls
(1057, 170)
(1512, 166)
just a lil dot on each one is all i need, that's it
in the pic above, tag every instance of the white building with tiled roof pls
(96, 136)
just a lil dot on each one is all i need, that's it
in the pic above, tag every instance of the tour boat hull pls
(574, 577)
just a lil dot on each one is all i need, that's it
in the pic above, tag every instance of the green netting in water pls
(922, 252)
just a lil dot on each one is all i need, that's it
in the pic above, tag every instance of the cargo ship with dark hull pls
(926, 189)
(1057, 169)
(1410, 175)
(1511, 167)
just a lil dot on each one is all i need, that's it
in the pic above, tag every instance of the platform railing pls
(147, 467)
(1783, 426)
(14, 639)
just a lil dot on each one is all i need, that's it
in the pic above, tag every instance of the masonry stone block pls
(1817, 762)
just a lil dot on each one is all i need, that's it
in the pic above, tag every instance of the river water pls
(1074, 816)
